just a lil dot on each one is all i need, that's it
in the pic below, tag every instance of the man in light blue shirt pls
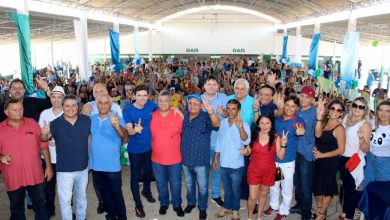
(218, 102)
(107, 133)
(233, 135)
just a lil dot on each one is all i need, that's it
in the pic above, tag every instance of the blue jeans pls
(37, 195)
(377, 168)
(303, 181)
(171, 174)
(232, 185)
(200, 174)
(109, 185)
(138, 161)
(66, 182)
(215, 178)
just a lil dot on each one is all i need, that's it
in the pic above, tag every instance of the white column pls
(115, 26)
(51, 54)
(352, 22)
(81, 33)
(136, 39)
(22, 7)
(105, 48)
(150, 44)
(298, 49)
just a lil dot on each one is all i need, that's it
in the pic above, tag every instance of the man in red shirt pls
(20, 148)
(165, 129)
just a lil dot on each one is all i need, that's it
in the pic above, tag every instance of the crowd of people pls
(247, 128)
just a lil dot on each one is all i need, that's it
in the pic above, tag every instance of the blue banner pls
(313, 51)
(284, 53)
(114, 44)
(349, 57)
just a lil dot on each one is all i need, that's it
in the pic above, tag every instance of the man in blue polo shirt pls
(107, 133)
(295, 126)
(304, 163)
(137, 118)
(71, 133)
(195, 149)
(218, 101)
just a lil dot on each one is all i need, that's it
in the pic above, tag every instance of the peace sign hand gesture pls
(138, 127)
(279, 100)
(321, 108)
(300, 130)
(114, 120)
(284, 139)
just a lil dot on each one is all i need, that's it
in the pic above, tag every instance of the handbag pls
(353, 162)
(278, 173)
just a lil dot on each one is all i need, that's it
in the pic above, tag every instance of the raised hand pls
(300, 130)
(284, 139)
(279, 100)
(219, 110)
(42, 84)
(256, 104)
(321, 108)
(6, 159)
(115, 120)
(46, 129)
(207, 105)
(138, 127)
(239, 122)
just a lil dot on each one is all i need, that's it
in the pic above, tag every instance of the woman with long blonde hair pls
(358, 133)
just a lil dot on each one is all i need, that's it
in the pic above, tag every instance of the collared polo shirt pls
(221, 100)
(71, 143)
(268, 110)
(166, 138)
(140, 142)
(246, 108)
(24, 145)
(289, 126)
(105, 145)
(229, 144)
(195, 140)
(306, 142)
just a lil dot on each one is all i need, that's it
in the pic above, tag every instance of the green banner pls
(22, 23)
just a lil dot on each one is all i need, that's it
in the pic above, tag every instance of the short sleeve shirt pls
(195, 142)
(289, 126)
(24, 145)
(140, 142)
(71, 143)
(246, 108)
(307, 141)
(105, 145)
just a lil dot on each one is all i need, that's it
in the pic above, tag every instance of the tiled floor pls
(150, 209)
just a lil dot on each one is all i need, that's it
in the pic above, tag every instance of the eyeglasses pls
(361, 107)
(193, 103)
(240, 89)
(336, 109)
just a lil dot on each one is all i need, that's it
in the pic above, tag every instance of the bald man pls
(91, 108)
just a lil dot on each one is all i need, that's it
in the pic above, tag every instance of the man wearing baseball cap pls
(195, 149)
(304, 162)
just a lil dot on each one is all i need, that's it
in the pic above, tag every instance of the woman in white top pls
(358, 132)
(378, 158)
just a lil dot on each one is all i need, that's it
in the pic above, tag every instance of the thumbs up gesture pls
(138, 127)
(46, 129)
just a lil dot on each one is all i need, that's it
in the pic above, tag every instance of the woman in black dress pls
(330, 144)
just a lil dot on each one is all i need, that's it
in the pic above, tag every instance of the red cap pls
(308, 91)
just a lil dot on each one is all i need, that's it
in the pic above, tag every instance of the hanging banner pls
(22, 23)
(115, 51)
(284, 57)
(349, 57)
(313, 51)
(136, 51)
